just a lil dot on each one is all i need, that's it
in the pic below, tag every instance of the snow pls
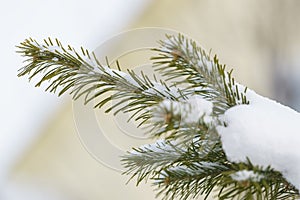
(116, 73)
(190, 110)
(266, 132)
(160, 90)
(194, 168)
(168, 44)
(206, 63)
(41, 47)
(54, 49)
(200, 59)
(184, 168)
(92, 63)
(245, 175)
(160, 146)
(199, 108)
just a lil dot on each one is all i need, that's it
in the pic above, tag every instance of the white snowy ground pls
(266, 132)
(24, 109)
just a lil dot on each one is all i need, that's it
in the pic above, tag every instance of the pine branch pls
(191, 161)
(187, 65)
(184, 119)
(148, 160)
(185, 171)
(190, 180)
(246, 181)
(83, 75)
(184, 62)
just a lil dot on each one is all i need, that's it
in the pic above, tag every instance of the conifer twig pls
(189, 160)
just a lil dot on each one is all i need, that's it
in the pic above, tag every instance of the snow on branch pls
(216, 133)
(266, 132)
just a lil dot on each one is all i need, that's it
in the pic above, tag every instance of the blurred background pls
(41, 156)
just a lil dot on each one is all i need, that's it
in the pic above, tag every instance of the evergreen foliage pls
(188, 159)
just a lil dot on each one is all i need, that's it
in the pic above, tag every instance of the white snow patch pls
(173, 43)
(205, 62)
(169, 44)
(198, 167)
(266, 132)
(186, 47)
(60, 50)
(199, 107)
(160, 146)
(190, 110)
(41, 47)
(118, 74)
(90, 61)
(114, 73)
(55, 59)
(55, 49)
(244, 175)
(161, 90)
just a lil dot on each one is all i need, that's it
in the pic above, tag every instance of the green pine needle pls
(189, 161)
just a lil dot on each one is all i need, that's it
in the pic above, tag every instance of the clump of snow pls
(197, 167)
(169, 44)
(55, 59)
(113, 73)
(110, 71)
(245, 175)
(266, 132)
(162, 91)
(199, 108)
(190, 110)
(160, 146)
(205, 62)
(185, 47)
(118, 74)
(89, 61)
(41, 47)
(55, 49)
